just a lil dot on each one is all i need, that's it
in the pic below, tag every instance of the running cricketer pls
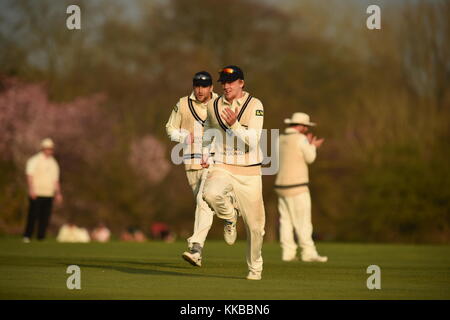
(233, 186)
(185, 125)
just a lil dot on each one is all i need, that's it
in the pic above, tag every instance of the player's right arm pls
(308, 149)
(173, 126)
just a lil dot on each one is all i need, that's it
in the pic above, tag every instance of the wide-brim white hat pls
(300, 118)
(47, 143)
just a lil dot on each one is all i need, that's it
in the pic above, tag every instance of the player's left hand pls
(59, 198)
(230, 116)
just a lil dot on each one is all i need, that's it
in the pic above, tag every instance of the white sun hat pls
(47, 143)
(300, 118)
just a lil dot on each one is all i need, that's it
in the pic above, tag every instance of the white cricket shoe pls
(315, 258)
(229, 231)
(290, 259)
(26, 240)
(193, 258)
(254, 275)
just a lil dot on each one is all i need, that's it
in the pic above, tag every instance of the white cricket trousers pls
(220, 187)
(295, 216)
(203, 214)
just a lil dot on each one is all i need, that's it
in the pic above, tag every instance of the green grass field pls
(155, 270)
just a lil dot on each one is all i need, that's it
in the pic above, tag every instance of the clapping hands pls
(314, 140)
(230, 116)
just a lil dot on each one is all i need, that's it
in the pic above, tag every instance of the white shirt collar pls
(290, 130)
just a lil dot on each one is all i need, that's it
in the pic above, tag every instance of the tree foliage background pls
(105, 92)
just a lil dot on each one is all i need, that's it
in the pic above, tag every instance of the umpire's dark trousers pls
(39, 211)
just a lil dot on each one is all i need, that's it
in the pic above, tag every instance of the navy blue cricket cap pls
(202, 79)
(230, 74)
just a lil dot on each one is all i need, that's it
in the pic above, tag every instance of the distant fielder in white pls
(297, 150)
(42, 172)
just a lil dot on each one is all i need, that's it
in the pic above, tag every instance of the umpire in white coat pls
(297, 150)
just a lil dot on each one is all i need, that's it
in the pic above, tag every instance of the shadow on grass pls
(151, 270)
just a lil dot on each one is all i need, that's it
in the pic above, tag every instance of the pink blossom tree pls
(148, 158)
(89, 148)
(27, 116)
